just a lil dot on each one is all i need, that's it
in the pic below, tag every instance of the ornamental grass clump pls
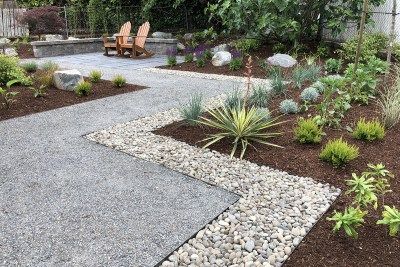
(308, 132)
(369, 130)
(83, 89)
(50, 66)
(30, 67)
(259, 97)
(288, 106)
(171, 57)
(389, 104)
(191, 112)
(234, 99)
(243, 126)
(119, 81)
(95, 76)
(338, 152)
(310, 95)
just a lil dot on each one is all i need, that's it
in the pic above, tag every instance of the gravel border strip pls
(274, 213)
(209, 76)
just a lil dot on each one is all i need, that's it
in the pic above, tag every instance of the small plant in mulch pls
(369, 130)
(191, 111)
(119, 81)
(308, 131)
(95, 76)
(171, 57)
(338, 152)
(8, 97)
(83, 89)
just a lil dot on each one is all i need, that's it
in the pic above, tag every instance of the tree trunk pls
(392, 32)
(361, 33)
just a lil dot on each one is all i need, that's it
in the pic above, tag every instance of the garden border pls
(250, 230)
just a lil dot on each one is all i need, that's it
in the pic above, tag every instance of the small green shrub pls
(279, 48)
(259, 97)
(278, 84)
(192, 111)
(50, 66)
(322, 50)
(208, 54)
(303, 74)
(288, 106)
(234, 99)
(247, 45)
(391, 218)
(338, 152)
(83, 89)
(308, 132)
(200, 62)
(376, 65)
(371, 46)
(43, 79)
(30, 66)
(119, 81)
(189, 58)
(11, 70)
(310, 94)
(95, 76)
(349, 220)
(171, 61)
(333, 65)
(236, 64)
(369, 130)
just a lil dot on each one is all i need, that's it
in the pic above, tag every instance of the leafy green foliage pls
(191, 112)
(9, 97)
(372, 44)
(322, 50)
(30, 67)
(171, 61)
(381, 177)
(119, 81)
(391, 217)
(95, 76)
(243, 126)
(83, 89)
(369, 130)
(338, 152)
(333, 65)
(349, 220)
(376, 65)
(259, 97)
(362, 84)
(364, 190)
(208, 54)
(11, 70)
(308, 132)
(189, 58)
(279, 48)
(288, 106)
(200, 62)
(247, 45)
(236, 64)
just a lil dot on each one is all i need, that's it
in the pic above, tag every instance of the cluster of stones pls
(274, 213)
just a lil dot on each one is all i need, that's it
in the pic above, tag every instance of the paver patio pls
(67, 201)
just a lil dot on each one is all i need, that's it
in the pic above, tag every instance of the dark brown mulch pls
(55, 98)
(25, 51)
(321, 247)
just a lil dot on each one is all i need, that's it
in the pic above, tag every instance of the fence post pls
(392, 32)
(66, 21)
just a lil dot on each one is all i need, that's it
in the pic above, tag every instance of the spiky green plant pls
(259, 97)
(95, 76)
(119, 81)
(338, 152)
(391, 217)
(191, 111)
(308, 131)
(369, 130)
(349, 220)
(242, 125)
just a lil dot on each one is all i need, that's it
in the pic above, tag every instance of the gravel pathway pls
(274, 213)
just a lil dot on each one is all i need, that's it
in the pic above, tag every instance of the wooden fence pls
(9, 26)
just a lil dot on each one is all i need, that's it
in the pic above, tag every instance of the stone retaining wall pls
(92, 45)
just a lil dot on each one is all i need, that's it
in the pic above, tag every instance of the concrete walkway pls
(65, 201)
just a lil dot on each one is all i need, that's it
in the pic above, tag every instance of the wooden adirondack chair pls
(136, 48)
(121, 38)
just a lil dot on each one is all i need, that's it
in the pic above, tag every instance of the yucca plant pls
(349, 220)
(243, 125)
(391, 217)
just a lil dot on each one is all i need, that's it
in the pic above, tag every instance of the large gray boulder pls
(282, 60)
(221, 58)
(219, 48)
(53, 37)
(67, 79)
(162, 35)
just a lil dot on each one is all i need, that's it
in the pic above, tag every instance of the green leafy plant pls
(307, 73)
(247, 45)
(349, 220)
(83, 89)
(322, 50)
(189, 58)
(364, 190)
(369, 130)
(119, 81)
(338, 152)
(277, 82)
(308, 132)
(391, 217)
(279, 48)
(191, 112)
(236, 64)
(371, 46)
(171, 61)
(50, 66)
(376, 65)
(9, 97)
(208, 54)
(259, 97)
(39, 91)
(95, 76)
(200, 62)
(333, 65)
(241, 125)
(288, 106)
(362, 84)
(11, 70)
(381, 178)
(30, 66)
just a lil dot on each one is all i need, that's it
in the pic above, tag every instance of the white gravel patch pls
(274, 213)
(208, 76)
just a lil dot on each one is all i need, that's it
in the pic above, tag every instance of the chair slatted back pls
(142, 34)
(125, 31)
